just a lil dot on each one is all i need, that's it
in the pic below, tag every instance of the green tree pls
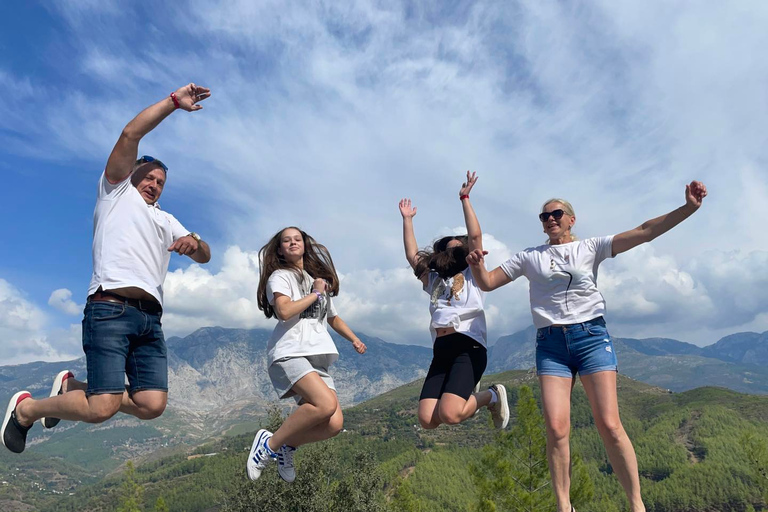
(131, 493)
(756, 449)
(513, 474)
(160, 505)
(403, 499)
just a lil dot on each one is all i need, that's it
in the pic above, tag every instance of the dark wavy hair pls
(438, 258)
(317, 263)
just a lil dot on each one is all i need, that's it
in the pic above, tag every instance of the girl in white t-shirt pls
(458, 324)
(572, 338)
(297, 283)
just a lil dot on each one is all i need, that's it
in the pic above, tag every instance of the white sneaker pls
(285, 467)
(500, 409)
(56, 389)
(260, 455)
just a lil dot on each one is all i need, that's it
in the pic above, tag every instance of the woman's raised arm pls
(695, 193)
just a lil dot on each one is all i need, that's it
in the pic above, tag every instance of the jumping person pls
(572, 337)
(122, 335)
(458, 325)
(296, 285)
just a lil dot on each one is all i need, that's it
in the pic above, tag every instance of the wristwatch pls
(195, 236)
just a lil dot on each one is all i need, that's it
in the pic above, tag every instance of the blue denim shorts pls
(120, 340)
(577, 348)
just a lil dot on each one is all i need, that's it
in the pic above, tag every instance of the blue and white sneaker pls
(261, 455)
(285, 467)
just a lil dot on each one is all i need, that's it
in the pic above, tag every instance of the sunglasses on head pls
(148, 159)
(557, 214)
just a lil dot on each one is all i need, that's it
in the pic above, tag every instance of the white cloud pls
(325, 115)
(25, 332)
(61, 300)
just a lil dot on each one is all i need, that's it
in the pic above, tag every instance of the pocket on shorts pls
(597, 330)
(106, 310)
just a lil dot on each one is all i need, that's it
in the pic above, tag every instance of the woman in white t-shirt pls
(458, 324)
(297, 283)
(572, 338)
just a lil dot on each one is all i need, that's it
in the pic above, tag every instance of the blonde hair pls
(567, 208)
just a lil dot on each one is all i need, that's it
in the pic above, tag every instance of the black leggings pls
(458, 362)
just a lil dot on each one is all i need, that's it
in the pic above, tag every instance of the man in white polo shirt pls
(122, 334)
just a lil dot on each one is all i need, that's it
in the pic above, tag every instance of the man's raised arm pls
(123, 156)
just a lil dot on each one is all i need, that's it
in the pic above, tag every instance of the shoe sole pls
(256, 440)
(58, 382)
(8, 411)
(501, 391)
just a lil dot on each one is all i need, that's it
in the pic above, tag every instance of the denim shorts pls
(120, 340)
(583, 348)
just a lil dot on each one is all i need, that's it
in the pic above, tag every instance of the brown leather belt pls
(148, 306)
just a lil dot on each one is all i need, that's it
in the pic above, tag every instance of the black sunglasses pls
(148, 159)
(557, 214)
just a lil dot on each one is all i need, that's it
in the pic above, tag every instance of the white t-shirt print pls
(130, 240)
(457, 304)
(562, 280)
(305, 334)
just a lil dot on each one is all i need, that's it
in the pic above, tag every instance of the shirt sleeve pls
(331, 308)
(513, 267)
(603, 247)
(278, 282)
(108, 190)
(177, 230)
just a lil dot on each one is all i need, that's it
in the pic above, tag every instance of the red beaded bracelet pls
(465, 196)
(175, 100)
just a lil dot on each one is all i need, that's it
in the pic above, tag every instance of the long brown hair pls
(438, 258)
(317, 263)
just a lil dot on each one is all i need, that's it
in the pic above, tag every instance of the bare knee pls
(149, 404)
(559, 431)
(326, 409)
(427, 424)
(151, 411)
(450, 417)
(611, 431)
(335, 425)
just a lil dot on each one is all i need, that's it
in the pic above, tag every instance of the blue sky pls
(324, 115)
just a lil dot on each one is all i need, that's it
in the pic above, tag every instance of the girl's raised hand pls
(695, 194)
(466, 187)
(405, 208)
(476, 257)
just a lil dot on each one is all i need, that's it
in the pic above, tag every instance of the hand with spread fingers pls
(466, 187)
(406, 210)
(185, 246)
(190, 95)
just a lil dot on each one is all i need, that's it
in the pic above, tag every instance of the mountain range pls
(219, 384)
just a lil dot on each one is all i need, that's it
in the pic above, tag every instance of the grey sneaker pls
(285, 467)
(500, 409)
(260, 455)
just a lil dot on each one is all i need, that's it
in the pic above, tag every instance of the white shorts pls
(287, 371)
